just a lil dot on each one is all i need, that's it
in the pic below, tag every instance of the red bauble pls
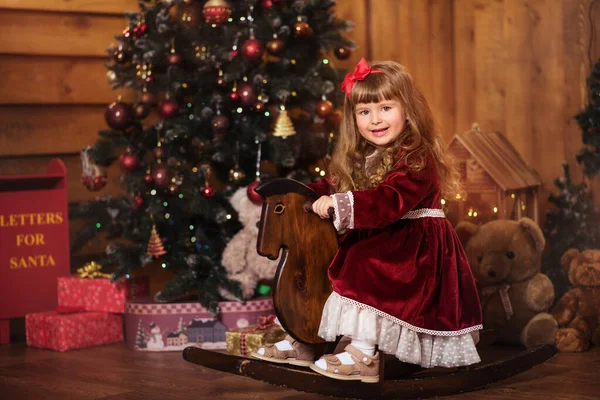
(267, 4)
(335, 117)
(275, 46)
(159, 152)
(342, 53)
(94, 183)
(168, 108)
(141, 110)
(160, 176)
(252, 195)
(126, 32)
(208, 191)
(148, 178)
(147, 98)
(252, 49)
(220, 125)
(216, 12)
(119, 115)
(121, 55)
(302, 30)
(174, 59)
(234, 96)
(140, 30)
(129, 161)
(246, 91)
(324, 108)
(138, 201)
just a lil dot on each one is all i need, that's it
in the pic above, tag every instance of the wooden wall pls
(516, 66)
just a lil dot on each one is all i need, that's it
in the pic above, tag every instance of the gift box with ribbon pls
(67, 328)
(243, 341)
(92, 290)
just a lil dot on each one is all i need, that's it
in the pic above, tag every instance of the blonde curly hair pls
(419, 140)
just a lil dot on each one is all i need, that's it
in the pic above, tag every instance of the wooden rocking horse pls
(301, 288)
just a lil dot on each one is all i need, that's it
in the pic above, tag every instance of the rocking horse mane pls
(283, 186)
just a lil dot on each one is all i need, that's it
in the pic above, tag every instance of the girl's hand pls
(322, 205)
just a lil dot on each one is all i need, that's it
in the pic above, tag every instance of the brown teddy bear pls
(578, 311)
(505, 257)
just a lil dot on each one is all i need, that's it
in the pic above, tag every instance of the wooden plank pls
(77, 192)
(489, 52)
(548, 80)
(442, 68)
(34, 32)
(464, 64)
(517, 69)
(39, 130)
(421, 57)
(355, 11)
(76, 6)
(383, 22)
(55, 129)
(55, 80)
(404, 41)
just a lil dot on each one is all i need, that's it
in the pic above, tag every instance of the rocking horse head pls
(309, 244)
(286, 205)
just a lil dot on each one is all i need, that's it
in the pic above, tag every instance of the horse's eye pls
(279, 209)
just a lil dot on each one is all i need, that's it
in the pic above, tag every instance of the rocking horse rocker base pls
(400, 380)
(300, 291)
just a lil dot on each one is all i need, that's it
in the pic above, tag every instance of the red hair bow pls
(361, 71)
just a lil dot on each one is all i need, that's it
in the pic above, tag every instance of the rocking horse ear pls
(280, 186)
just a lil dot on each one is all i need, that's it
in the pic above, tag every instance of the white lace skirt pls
(342, 316)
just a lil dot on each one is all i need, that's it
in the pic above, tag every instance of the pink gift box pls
(62, 332)
(99, 294)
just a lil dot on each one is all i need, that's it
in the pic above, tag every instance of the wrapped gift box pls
(240, 315)
(243, 341)
(100, 294)
(151, 326)
(62, 332)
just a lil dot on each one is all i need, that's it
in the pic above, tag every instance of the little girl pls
(401, 280)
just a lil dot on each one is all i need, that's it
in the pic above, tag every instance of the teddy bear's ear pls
(570, 255)
(465, 231)
(534, 230)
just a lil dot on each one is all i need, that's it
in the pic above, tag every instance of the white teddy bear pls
(240, 258)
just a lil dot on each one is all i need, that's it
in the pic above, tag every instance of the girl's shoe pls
(301, 354)
(364, 369)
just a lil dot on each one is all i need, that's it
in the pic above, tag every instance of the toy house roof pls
(498, 157)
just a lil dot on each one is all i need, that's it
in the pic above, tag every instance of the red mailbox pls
(34, 242)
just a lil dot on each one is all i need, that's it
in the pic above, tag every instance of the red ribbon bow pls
(361, 71)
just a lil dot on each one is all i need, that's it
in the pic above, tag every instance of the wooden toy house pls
(497, 182)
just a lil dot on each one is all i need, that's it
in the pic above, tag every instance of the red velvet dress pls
(400, 277)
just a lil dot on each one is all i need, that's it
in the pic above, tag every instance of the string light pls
(322, 173)
(458, 195)
(193, 239)
(165, 203)
(127, 276)
(164, 265)
(153, 192)
(325, 61)
(495, 209)
(167, 215)
(512, 196)
(228, 216)
(443, 201)
(98, 225)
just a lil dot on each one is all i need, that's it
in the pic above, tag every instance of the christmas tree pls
(574, 222)
(214, 95)
(140, 337)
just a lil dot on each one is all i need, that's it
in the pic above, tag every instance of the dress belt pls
(424, 213)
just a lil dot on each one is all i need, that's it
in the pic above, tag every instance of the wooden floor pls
(113, 372)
